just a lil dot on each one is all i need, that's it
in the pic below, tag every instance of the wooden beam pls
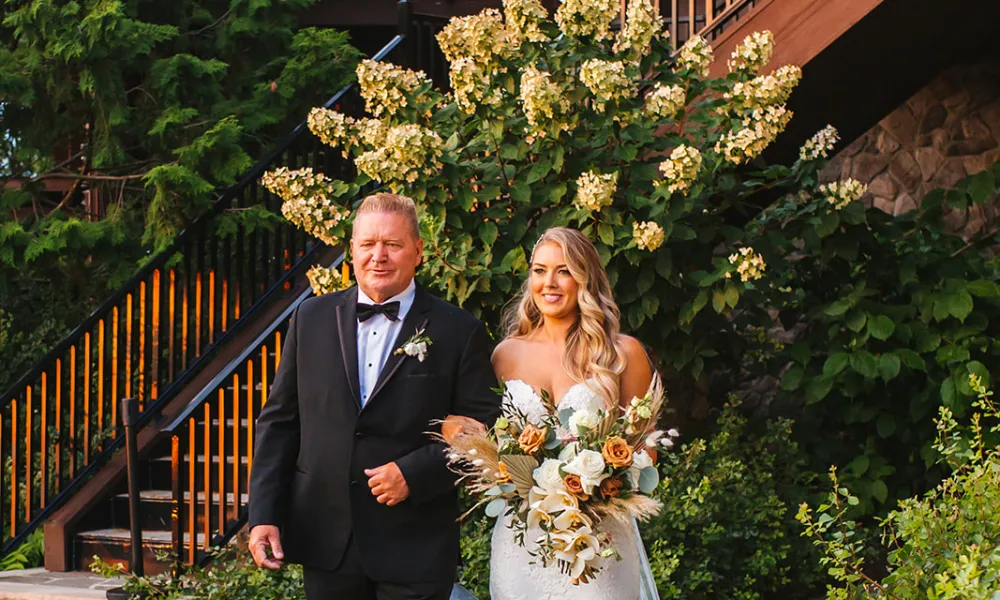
(802, 28)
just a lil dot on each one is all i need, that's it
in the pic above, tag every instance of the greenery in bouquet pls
(559, 471)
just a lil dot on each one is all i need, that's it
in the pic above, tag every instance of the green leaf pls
(948, 392)
(981, 187)
(881, 327)
(888, 366)
(864, 363)
(539, 170)
(828, 224)
(488, 232)
(520, 192)
(879, 491)
(514, 261)
(838, 308)
(495, 507)
(984, 288)
(732, 295)
(836, 363)
(856, 321)
(817, 389)
(792, 378)
(718, 300)
(911, 359)
(959, 304)
(801, 353)
(606, 233)
(859, 465)
(649, 478)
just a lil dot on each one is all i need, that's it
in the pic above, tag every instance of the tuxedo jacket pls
(314, 440)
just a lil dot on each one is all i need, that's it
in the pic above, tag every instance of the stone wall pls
(947, 130)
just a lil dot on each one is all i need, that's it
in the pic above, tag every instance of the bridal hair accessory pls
(562, 471)
(415, 346)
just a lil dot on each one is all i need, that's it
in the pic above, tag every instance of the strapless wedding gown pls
(516, 575)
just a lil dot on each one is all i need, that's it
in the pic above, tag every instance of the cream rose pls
(582, 421)
(590, 466)
(547, 475)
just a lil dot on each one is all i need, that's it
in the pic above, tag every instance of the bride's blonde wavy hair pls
(592, 349)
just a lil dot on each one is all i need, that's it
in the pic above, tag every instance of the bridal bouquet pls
(562, 471)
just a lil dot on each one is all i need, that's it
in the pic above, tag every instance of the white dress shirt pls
(376, 337)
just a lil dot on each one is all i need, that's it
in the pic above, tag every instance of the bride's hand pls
(458, 425)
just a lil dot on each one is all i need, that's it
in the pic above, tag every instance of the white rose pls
(547, 475)
(421, 350)
(589, 465)
(640, 460)
(569, 451)
(583, 421)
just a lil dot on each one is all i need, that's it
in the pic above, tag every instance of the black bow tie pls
(389, 309)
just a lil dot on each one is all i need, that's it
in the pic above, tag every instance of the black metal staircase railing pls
(58, 423)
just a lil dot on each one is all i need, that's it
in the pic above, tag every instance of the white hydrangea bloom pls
(307, 200)
(765, 90)
(579, 18)
(331, 127)
(696, 55)
(370, 132)
(323, 280)
(648, 235)
(749, 264)
(665, 101)
(682, 168)
(841, 193)
(753, 54)
(543, 101)
(606, 80)
(820, 145)
(472, 85)
(482, 37)
(642, 24)
(756, 133)
(595, 191)
(523, 19)
(384, 86)
(409, 151)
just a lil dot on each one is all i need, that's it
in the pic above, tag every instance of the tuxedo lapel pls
(347, 329)
(415, 320)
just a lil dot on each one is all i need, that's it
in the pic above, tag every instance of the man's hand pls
(263, 537)
(387, 484)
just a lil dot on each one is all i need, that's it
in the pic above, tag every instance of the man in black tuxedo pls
(346, 480)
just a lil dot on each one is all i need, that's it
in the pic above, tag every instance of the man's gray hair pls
(392, 204)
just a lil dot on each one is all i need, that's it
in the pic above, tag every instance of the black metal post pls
(404, 28)
(130, 414)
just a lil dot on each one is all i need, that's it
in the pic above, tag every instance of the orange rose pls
(616, 452)
(502, 475)
(575, 487)
(531, 439)
(611, 487)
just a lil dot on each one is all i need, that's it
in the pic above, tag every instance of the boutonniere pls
(415, 346)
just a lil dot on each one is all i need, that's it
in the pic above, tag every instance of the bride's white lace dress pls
(516, 575)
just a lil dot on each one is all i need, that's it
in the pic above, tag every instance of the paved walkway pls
(39, 584)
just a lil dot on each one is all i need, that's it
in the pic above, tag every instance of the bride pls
(563, 337)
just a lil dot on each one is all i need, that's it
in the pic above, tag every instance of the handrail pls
(156, 331)
(161, 258)
(714, 16)
(225, 389)
(153, 410)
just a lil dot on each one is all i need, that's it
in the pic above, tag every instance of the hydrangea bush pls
(734, 272)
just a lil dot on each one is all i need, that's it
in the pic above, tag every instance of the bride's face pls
(552, 287)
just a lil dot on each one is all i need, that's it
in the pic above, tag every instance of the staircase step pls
(167, 496)
(111, 545)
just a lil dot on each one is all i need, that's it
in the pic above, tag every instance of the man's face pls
(386, 254)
